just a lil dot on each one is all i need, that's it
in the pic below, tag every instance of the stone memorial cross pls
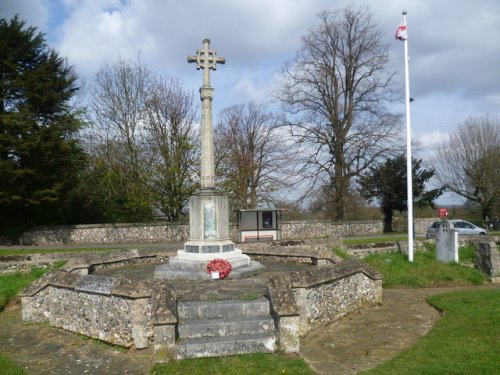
(209, 236)
(206, 59)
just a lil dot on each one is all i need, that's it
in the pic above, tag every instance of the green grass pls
(250, 364)
(464, 341)
(425, 271)
(467, 254)
(36, 250)
(7, 367)
(341, 253)
(12, 284)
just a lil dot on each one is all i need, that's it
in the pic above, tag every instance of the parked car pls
(462, 226)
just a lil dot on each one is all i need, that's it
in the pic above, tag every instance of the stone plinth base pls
(209, 250)
(192, 266)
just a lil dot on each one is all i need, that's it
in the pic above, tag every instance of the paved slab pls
(40, 349)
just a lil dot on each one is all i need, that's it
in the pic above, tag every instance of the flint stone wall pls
(115, 310)
(329, 294)
(323, 304)
(124, 316)
(107, 234)
(420, 225)
(322, 296)
(168, 232)
(127, 313)
(327, 229)
(108, 318)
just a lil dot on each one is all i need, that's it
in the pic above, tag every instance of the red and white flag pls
(401, 33)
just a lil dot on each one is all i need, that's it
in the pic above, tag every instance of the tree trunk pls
(340, 184)
(388, 215)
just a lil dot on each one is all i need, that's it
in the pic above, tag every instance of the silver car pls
(463, 227)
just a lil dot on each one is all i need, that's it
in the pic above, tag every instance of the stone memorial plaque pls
(192, 249)
(96, 284)
(210, 249)
(210, 221)
(227, 248)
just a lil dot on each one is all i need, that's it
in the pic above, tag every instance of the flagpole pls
(409, 174)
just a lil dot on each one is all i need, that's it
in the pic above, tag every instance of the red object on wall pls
(443, 212)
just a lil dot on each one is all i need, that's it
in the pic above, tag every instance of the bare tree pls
(170, 120)
(251, 158)
(468, 164)
(142, 141)
(336, 90)
(117, 138)
(117, 108)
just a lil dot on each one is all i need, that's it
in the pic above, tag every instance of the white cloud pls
(433, 139)
(453, 45)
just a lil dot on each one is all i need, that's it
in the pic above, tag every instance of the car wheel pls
(482, 234)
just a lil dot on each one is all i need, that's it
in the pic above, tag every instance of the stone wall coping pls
(281, 295)
(106, 225)
(89, 260)
(132, 289)
(61, 279)
(326, 221)
(82, 258)
(164, 302)
(296, 249)
(56, 278)
(305, 279)
(165, 223)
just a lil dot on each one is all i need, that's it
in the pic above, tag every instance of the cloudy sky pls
(454, 46)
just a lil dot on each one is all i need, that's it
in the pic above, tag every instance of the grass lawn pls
(36, 250)
(7, 367)
(425, 271)
(12, 284)
(464, 341)
(251, 364)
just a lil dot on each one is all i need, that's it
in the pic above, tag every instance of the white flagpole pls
(409, 174)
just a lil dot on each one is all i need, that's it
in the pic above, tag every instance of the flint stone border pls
(313, 252)
(125, 312)
(115, 310)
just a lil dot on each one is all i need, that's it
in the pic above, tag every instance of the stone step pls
(192, 265)
(226, 345)
(253, 269)
(165, 271)
(226, 327)
(186, 270)
(221, 309)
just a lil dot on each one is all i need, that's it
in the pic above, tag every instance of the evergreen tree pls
(387, 184)
(39, 154)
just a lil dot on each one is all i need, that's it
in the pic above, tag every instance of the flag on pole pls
(402, 34)
(401, 31)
